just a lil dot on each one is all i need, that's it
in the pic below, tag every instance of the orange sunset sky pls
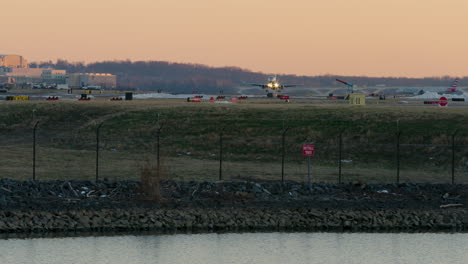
(306, 37)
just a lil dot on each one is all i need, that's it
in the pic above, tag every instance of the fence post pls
(453, 158)
(283, 136)
(340, 156)
(34, 151)
(398, 134)
(158, 145)
(97, 151)
(158, 148)
(221, 154)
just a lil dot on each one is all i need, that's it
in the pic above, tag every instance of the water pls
(256, 248)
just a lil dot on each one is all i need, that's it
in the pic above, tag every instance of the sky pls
(407, 38)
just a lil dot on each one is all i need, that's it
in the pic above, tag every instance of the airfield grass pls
(59, 164)
(251, 134)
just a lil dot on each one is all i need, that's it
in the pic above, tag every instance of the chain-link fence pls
(261, 151)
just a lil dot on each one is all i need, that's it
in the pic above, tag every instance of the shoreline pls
(193, 207)
(51, 235)
(233, 220)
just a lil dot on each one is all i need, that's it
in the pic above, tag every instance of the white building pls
(38, 75)
(97, 80)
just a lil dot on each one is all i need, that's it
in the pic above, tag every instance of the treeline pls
(183, 77)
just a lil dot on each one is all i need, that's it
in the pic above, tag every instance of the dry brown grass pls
(117, 163)
(150, 180)
(59, 164)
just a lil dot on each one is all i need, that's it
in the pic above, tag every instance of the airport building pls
(37, 75)
(14, 69)
(92, 80)
(13, 61)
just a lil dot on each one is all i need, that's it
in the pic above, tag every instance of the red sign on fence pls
(308, 150)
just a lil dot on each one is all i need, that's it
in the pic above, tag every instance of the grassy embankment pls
(251, 139)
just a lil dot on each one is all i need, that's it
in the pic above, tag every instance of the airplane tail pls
(346, 83)
(453, 88)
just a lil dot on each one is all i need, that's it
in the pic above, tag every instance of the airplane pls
(273, 84)
(452, 89)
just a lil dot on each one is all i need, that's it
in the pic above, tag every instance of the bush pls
(151, 177)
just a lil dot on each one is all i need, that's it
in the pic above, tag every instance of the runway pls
(392, 101)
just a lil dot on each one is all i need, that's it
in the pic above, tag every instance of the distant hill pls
(182, 77)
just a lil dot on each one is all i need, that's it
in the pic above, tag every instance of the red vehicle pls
(193, 100)
(52, 98)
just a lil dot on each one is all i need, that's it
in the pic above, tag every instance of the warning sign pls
(443, 101)
(308, 150)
